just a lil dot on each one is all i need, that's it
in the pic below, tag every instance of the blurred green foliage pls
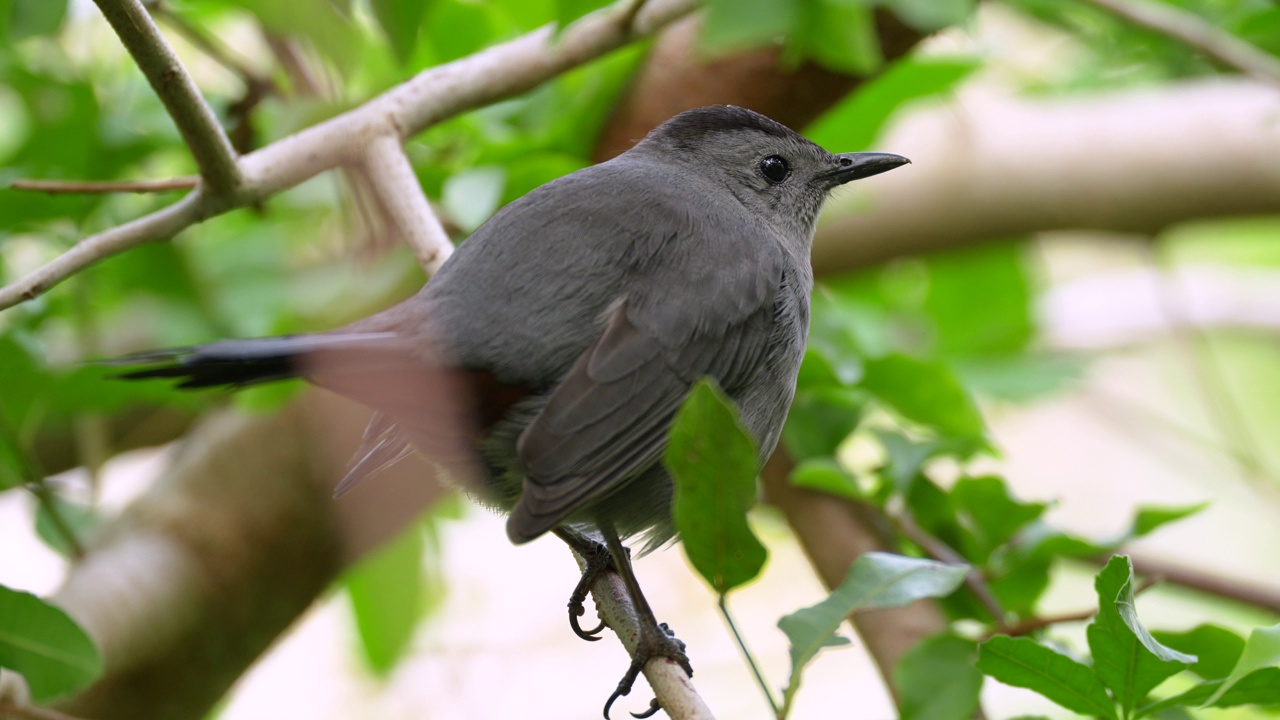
(903, 360)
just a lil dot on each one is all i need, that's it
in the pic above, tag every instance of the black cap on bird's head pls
(773, 170)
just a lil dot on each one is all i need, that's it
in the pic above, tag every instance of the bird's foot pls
(598, 559)
(654, 641)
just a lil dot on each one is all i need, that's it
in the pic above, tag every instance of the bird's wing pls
(608, 418)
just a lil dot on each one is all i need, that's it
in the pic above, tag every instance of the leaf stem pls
(746, 654)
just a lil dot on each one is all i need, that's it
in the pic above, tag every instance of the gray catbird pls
(579, 316)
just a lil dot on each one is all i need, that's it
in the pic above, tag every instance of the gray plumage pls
(604, 295)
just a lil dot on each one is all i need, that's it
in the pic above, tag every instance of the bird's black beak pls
(858, 165)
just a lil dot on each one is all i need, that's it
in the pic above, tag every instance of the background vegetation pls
(1049, 338)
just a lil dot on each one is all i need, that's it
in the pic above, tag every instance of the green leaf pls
(1217, 649)
(1150, 517)
(79, 518)
(735, 25)
(825, 475)
(990, 513)
(45, 645)
(875, 581)
(386, 599)
(855, 122)
(400, 21)
(1125, 656)
(926, 392)
(1261, 650)
(457, 28)
(713, 463)
(1023, 662)
(1260, 687)
(472, 195)
(820, 419)
(994, 321)
(35, 17)
(838, 34)
(906, 456)
(938, 679)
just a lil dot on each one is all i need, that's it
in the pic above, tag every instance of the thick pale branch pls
(394, 185)
(1130, 162)
(1198, 34)
(195, 120)
(431, 96)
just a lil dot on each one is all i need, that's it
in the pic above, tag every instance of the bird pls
(575, 321)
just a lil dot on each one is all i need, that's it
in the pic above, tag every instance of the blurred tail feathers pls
(239, 363)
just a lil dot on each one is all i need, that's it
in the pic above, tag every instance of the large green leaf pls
(1023, 662)
(991, 514)
(1216, 648)
(875, 581)
(35, 17)
(855, 122)
(45, 645)
(732, 25)
(1260, 687)
(1125, 656)
(1261, 650)
(714, 462)
(980, 300)
(820, 419)
(840, 35)
(927, 392)
(386, 599)
(400, 21)
(938, 679)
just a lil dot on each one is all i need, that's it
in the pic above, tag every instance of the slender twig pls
(1194, 31)
(939, 550)
(106, 186)
(159, 225)
(32, 713)
(1030, 625)
(390, 177)
(200, 131)
(433, 95)
(746, 654)
(209, 45)
(1235, 589)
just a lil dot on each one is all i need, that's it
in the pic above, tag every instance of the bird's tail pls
(239, 363)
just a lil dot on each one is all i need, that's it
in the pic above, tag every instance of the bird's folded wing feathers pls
(608, 418)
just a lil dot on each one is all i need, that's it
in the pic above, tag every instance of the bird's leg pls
(595, 555)
(654, 639)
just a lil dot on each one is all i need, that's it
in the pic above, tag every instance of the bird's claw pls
(597, 560)
(654, 642)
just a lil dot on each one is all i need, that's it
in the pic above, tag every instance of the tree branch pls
(1198, 34)
(433, 95)
(394, 185)
(55, 187)
(671, 687)
(1136, 161)
(195, 120)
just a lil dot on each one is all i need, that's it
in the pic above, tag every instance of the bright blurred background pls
(1086, 249)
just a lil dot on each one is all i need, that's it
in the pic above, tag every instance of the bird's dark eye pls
(775, 169)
